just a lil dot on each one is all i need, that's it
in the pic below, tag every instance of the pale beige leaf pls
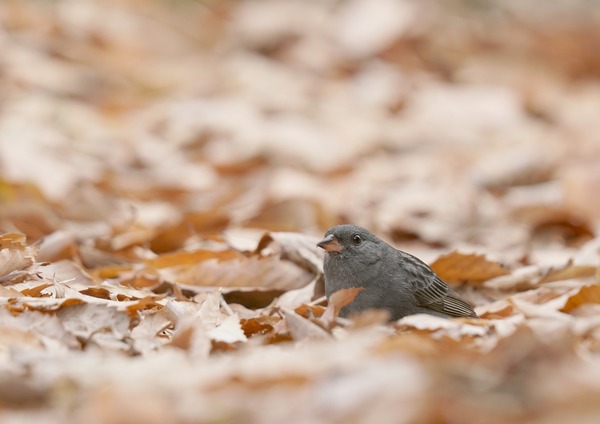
(67, 271)
(294, 298)
(298, 248)
(145, 334)
(228, 331)
(15, 254)
(301, 328)
(85, 320)
(442, 326)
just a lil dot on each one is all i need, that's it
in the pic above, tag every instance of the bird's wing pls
(435, 294)
(432, 293)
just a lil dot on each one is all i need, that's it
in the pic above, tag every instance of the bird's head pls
(350, 241)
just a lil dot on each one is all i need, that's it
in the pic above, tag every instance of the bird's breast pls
(341, 273)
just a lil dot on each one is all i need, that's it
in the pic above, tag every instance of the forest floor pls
(167, 167)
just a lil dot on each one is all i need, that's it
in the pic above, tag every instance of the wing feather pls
(432, 293)
(429, 289)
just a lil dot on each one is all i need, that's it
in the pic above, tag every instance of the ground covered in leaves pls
(166, 168)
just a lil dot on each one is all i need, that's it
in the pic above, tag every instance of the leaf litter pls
(166, 171)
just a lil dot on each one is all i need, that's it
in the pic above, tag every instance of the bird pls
(392, 279)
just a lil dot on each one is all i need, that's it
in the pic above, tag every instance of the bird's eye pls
(356, 239)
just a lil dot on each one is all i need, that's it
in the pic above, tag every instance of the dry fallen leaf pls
(255, 271)
(585, 295)
(338, 300)
(295, 247)
(15, 254)
(228, 331)
(467, 268)
(442, 327)
(96, 323)
(301, 328)
(147, 334)
(570, 271)
(175, 182)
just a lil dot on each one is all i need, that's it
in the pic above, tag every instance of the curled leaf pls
(338, 300)
(15, 254)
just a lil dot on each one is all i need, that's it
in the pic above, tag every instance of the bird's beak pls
(330, 244)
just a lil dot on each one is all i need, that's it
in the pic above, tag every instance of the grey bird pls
(392, 279)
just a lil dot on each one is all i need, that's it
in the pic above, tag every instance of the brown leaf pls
(145, 303)
(258, 326)
(174, 237)
(42, 304)
(559, 225)
(99, 292)
(466, 268)
(111, 271)
(252, 298)
(14, 241)
(168, 260)
(35, 291)
(310, 311)
(338, 300)
(585, 295)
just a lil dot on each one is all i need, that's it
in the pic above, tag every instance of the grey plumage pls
(392, 279)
